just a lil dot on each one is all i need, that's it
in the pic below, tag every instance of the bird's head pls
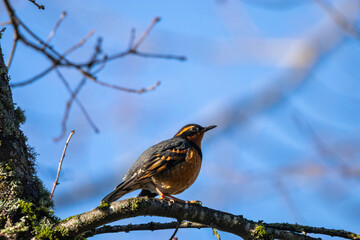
(193, 132)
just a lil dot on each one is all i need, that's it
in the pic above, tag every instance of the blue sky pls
(280, 80)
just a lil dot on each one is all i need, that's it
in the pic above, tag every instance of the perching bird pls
(167, 168)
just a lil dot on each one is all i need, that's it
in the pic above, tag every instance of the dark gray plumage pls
(152, 171)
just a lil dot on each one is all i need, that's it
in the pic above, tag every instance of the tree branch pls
(146, 33)
(152, 226)
(87, 68)
(59, 59)
(223, 221)
(69, 104)
(57, 24)
(13, 48)
(318, 230)
(60, 164)
(40, 7)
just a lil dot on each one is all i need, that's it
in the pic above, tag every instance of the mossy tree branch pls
(223, 221)
(24, 202)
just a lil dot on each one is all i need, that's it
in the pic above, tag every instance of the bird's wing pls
(157, 158)
(154, 160)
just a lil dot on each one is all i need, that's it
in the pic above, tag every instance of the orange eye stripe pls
(184, 130)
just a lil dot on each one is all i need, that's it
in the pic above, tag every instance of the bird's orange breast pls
(181, 176)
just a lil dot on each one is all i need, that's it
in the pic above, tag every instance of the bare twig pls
(318, 230)
(146, 33)
(156, 55)
(33, 79)
(130, 90)
(48, 70)
(142, 227)
(53, 31)
(132, 38)
(13, 48)
(60, 164)
(5, 23)
(69, 104)
(79, 44)
(74, 94)
(176, 229)
(42, 7)
(60, 60)
(57, 59)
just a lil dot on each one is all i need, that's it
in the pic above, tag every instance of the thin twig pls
(132, 38)
(42, 7)
(60, 164)
(98, 69)
(35, 36)
(317, 230)
(33, 79)
(67, 111)
(156, 55)
(98, 59)
(48, 70)
(142, 227)
(69, 104)
(98, 51)
(5, 23)
(176, 229)
(142, 90)
(13, 48)
(79, 44)
(146, 33)
(58, 59)
(53, 31)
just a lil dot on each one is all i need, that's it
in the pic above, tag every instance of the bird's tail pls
(122, 189)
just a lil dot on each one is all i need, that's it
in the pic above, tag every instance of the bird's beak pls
(209, 128)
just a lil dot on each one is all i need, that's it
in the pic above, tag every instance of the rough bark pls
(20, 189)
(223, 221)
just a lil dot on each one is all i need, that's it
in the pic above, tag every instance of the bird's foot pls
(163, 197)
(194, 202)
(174, 199)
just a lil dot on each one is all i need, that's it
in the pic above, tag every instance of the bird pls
(167, 168)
